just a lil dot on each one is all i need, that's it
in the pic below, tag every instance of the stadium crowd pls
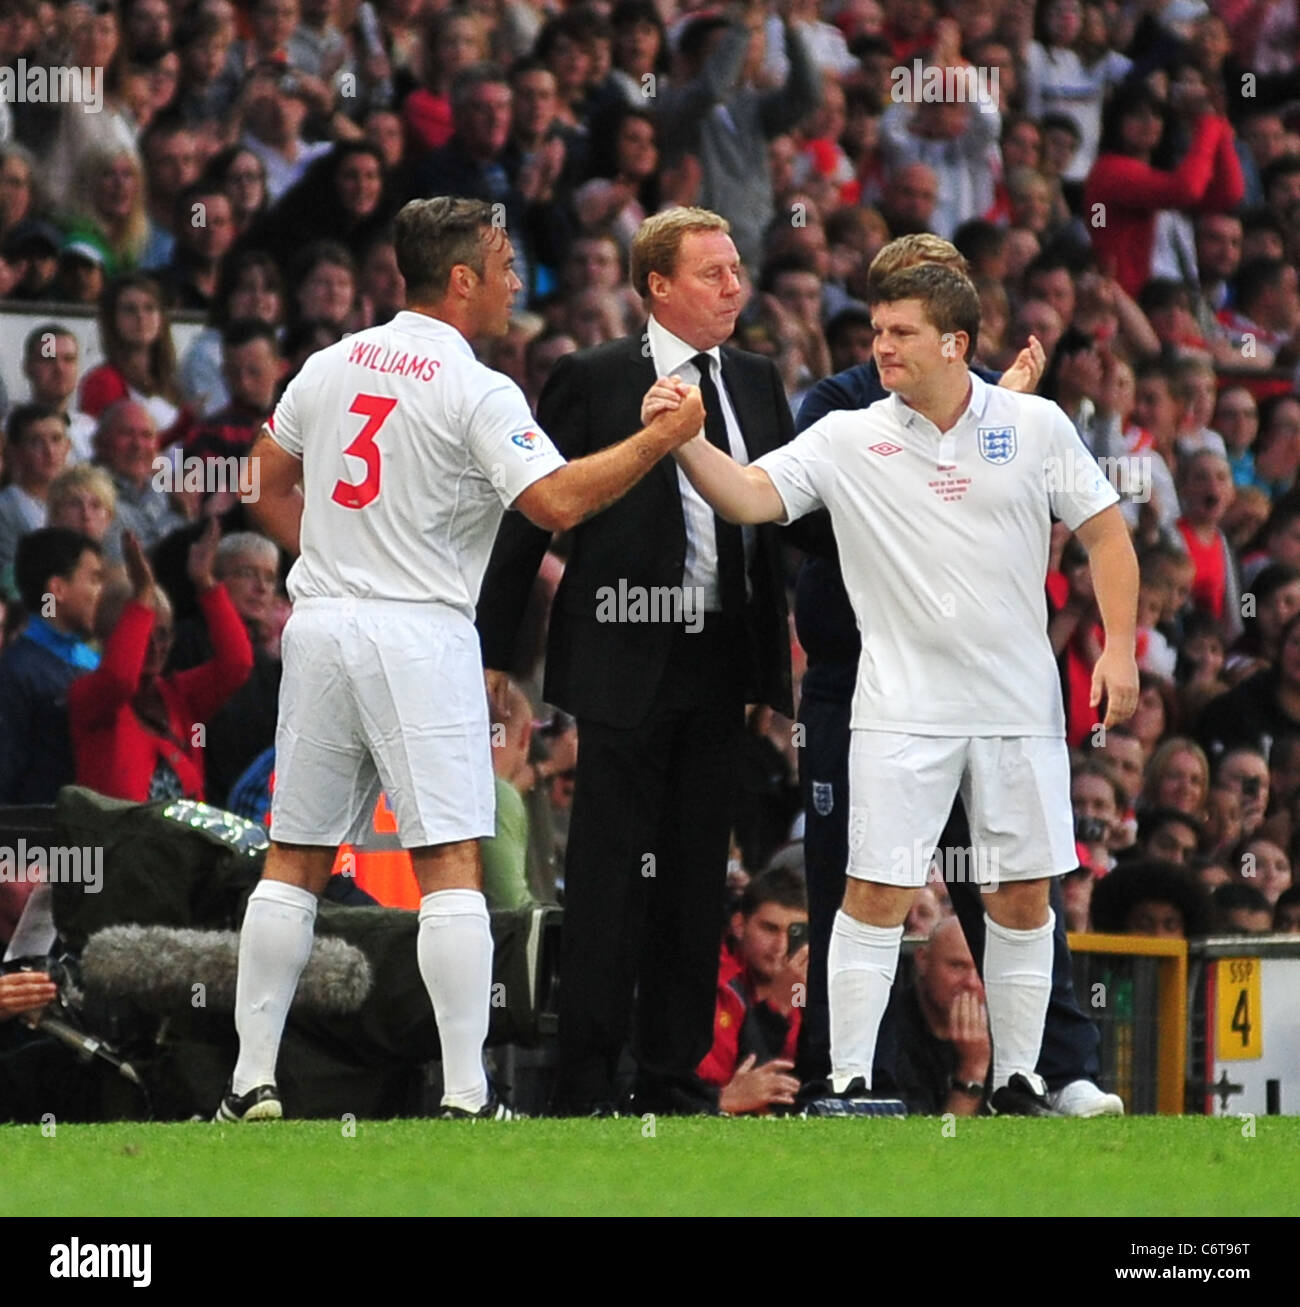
(1127, 190)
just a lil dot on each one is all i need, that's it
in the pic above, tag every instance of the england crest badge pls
(997, 444)
(823, 796)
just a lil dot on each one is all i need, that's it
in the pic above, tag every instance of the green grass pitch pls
(1148, 1166)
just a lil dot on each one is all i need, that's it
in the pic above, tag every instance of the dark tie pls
(731, 547)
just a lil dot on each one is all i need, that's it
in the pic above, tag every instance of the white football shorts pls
(1016, 791)
(380, 694)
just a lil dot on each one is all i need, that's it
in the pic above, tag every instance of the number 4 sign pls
(1239, 1024)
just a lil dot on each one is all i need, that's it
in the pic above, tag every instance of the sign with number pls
(1240, 1023)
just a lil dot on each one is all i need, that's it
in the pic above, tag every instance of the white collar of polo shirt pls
(907, 416)
(670, 352)
(421, 324)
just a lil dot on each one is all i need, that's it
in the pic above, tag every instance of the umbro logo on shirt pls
(884, 448)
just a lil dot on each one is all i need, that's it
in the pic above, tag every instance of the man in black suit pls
(667, 622)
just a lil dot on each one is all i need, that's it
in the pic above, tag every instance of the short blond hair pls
(658, 241)
(908, 251)
(82, 476)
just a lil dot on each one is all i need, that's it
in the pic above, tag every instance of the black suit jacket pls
(611, 671)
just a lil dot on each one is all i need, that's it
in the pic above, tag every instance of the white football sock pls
(1018, 984)
(274, 945)
(860, 974)
(454, 948)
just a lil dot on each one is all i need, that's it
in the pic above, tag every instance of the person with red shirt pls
(761, 983)
(1125, 190)
(1207, 493)
(138, 735)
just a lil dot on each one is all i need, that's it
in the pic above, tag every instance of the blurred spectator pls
(1286, 912)
(719, 66)
(640, 51)
(942, 1054)
(510, 352)
(136, 734)
(1277, 450)
(1057, 78)
(253, 369)
(379, 280)
(171, 163)
(241, 173)
(37, 452)
(1037, 318)
(505, 883)
(51, 355)
(1244, 771)
(205, 232)
(1098, 805)
(849, 335)
(1178, 777)
(59, 575)
(1150, 898)
(273, 106)
(1236, 418)
(1262, 707)
(624, 186)
(83, 499)
(1241, 910)
(31, 251)
(1131, 182)
(343, 197)
(760, 988)
(208, 86)
(323, 277)
(139, 358)
(1076, 891)
(541, 355)
(251, 289)
(1206, 491)
(108, 208)
(126, 446)
(1169, 835)
(1264, 323)
(1265, 867)
(455, 40)
(1271, 602)
(18, 199)
(248, 566)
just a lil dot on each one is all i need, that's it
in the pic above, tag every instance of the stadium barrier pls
(1135, 988)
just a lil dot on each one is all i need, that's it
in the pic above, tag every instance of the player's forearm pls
(587, 485)
(279, 516)
(1115, 581)
(738, 494)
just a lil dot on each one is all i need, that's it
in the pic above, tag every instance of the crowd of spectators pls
(1125, 186)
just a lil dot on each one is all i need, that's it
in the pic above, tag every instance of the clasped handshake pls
(673, 406)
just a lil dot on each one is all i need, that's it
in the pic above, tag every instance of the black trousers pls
(645, 883)
(1070, 1039)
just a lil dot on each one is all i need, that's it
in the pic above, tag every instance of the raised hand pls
(138, 570)
(1026, 372)
(202, 556)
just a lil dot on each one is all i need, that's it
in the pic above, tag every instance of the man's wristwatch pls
(975, 1088)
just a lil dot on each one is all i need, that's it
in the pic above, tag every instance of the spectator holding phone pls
(761, 983)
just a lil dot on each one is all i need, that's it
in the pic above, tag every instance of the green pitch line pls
(1137, 1167)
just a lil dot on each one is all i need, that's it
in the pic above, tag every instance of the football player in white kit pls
(386, 468)
(941, 497)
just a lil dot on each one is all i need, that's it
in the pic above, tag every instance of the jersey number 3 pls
(375, 409)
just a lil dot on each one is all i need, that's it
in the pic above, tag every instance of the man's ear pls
(656, 285)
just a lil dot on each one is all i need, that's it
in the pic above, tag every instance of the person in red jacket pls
(1126, 190)
(762, 981)
(136, 734)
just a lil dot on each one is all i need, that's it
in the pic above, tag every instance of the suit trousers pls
(1071, 1042)
(645, 881)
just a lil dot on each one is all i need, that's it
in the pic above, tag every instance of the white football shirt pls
(411, 450)
(944, 543)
